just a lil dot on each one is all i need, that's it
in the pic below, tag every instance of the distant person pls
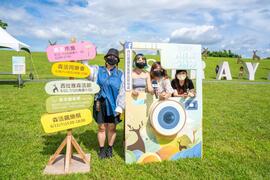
(183, 85)
(241, 72)
(159, 77)
(217, 69)
(141, 80)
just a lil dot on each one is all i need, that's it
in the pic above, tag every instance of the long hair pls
(155, 65)
(177, 81)
(136, 58)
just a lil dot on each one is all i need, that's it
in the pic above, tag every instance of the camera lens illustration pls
(168, 117)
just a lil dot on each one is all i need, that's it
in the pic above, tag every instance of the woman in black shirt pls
(182, 84)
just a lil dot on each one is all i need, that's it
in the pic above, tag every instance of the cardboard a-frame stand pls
(171, 129)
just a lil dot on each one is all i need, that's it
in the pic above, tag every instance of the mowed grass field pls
(43, 67)
(236, 138)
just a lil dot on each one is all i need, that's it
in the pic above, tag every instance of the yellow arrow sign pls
(67, 120)
(70, 69)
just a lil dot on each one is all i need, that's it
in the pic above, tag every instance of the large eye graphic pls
(167, 117)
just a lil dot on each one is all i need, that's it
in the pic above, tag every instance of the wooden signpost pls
(68, 163)
(71, 87)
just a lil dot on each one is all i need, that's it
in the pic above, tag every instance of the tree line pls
(223, 53)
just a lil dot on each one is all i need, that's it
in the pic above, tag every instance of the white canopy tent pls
(8, 41)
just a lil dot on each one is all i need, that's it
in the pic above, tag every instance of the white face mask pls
(181, 77)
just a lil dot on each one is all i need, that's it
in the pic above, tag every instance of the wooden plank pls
(57, 152)
(68, 151)
(79, 150)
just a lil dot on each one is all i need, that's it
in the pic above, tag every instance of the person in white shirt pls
(159, 74)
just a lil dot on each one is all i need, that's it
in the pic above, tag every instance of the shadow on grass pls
(52, 142)
(11, 82)
(119, 143)
(89, 139)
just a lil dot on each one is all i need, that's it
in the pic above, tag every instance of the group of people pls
(110, 101)
(180, 86)
(240, 74)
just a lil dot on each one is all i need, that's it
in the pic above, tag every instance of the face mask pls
(181, 77)
(140, 65)
(112, 61)
(158, 74)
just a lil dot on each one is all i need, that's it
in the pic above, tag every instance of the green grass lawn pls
(236, 138)
(236, 132)
(43, 66)
(261, 73)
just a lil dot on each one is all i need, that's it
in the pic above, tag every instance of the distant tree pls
(3, 24)
(230, 54)
(223, 53)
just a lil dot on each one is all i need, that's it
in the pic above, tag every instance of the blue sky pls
(241, 26)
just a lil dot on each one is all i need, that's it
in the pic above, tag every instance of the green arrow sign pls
(64, 103)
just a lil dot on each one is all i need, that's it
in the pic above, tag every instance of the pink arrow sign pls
(71, 52)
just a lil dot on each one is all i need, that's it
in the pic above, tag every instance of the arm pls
(175, 93)
(120, 100)
(168, 90)
(184, 95)
(191, 92)
(149, 84)
(164, 95)
(168, 87)
(93, 71)
(133, 91)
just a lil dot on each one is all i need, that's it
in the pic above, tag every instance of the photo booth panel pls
(163, 130)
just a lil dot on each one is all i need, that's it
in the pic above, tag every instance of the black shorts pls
(101, 116)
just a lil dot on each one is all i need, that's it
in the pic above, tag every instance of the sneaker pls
(102, 153)
(109, 152)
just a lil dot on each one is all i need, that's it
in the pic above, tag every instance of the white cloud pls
(52, 33)
(204, 34)
(59, 1)
(11, 15)
(104, 22)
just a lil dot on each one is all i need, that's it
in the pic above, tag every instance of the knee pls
(112, 128)
(101, 128)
